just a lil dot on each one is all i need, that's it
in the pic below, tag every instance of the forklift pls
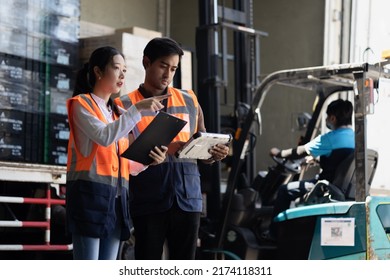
(339, 220)
(238, 198)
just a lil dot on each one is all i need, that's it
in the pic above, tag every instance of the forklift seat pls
(372, 162)
(343, 186)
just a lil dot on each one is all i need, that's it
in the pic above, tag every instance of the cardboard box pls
(90, 29)
(139, 31)
(132, 48)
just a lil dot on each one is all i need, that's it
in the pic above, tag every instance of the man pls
(331, 147)
(166, 200)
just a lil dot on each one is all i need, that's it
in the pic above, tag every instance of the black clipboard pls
(200, 143)
(160, 132)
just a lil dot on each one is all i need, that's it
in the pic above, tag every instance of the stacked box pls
(13, 68)
(51, 50)
(59, 52)
(140, 32)
(54, 19)
(90, 29)
(38, 58)
(12, 148)
(61, 78)
(131, 42)
(62, 82)
(21, 83)
(12, 135)
(12, 14)
(13, 41)
(38, 47)
(12, 122)
(36, 29)
(15, 96)
(59, 136)
(68, 8)
(21, 136)
(132, 48)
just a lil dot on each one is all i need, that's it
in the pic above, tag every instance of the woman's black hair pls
(342, 110)
(160, 47)
(86, 79)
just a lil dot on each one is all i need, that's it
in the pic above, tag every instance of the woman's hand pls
(151, 103)
(158, 154)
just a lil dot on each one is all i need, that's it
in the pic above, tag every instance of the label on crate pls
(58, 152)
(11, 148)
(12, 121)
(63, 57)
(9, 68)
(11, 125)
(63, 135)
(61, 78)
(59, 127)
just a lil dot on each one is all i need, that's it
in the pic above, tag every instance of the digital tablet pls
(160, 132)
(200, 143)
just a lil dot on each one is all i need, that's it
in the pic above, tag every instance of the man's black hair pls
(342, 110)
(160, 47)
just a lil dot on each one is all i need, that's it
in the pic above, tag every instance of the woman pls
(97, 176)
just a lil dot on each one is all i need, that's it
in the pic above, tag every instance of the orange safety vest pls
(182, 104)
(103, 163)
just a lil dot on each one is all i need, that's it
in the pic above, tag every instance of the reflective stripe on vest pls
(182, 104)
(102, 164)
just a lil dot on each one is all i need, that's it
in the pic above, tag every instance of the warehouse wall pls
(295, 40)
(183, 24)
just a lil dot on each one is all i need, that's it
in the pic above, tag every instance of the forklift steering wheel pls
(291, 166)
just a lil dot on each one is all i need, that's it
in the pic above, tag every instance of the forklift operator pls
(331, 147)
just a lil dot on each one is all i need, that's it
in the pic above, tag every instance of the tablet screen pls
(199, 145)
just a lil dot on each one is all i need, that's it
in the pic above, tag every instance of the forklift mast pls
(221, 69)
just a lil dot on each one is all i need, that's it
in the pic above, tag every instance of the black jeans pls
(179, 228)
